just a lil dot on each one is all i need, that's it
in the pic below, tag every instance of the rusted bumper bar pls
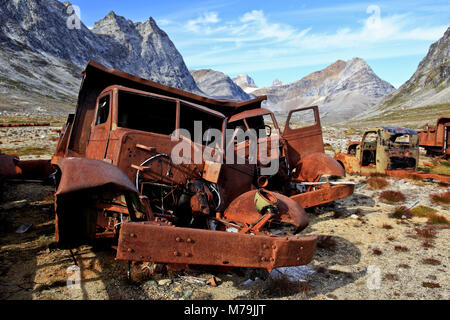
(150, 242)
(323, 195)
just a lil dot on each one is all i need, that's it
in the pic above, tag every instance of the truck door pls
(369, 157)
(100, 129)
(302, 134)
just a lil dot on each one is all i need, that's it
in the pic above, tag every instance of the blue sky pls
(289, 39)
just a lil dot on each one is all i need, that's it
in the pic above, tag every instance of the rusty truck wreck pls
(436, 140)
(116, 178)
(391, 151)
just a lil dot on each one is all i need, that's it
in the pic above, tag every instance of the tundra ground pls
(364, 251)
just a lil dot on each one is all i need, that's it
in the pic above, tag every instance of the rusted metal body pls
(391, 151)
(382, 149)
(109, 210)
(153, 204)
(436, 140)
(143, 242)
(302, 156)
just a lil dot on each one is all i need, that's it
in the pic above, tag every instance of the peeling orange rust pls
(436, 140)
(323, 195)
(213, 248)
(31, 124)
(116, 178)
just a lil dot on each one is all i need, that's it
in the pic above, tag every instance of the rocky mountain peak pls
(244, 81)
(44, 54)
(342, 89)
(277, 82)
(332, 71)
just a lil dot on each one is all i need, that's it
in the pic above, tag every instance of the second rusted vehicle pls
(436, 140)
(391, 151)
(117, 178)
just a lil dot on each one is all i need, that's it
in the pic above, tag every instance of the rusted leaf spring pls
(149, 242)
(14, 125)
(323, 196)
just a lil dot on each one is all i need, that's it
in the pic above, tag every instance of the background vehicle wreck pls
(436, 140)
(392, 151)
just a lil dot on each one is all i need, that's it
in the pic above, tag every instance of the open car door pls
(303, 134)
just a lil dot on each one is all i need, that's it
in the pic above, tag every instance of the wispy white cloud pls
(202, 23)
(255, 41)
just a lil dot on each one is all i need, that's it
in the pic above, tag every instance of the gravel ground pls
(363, 253)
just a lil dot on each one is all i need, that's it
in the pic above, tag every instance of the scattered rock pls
(165, 282)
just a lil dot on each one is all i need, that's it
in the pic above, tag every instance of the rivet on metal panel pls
(130, 250)
(187, 254)
(132, 235)
(189, 240)
(176, 254)
(178, 239)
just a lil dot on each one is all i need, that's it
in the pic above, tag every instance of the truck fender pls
(314, 165)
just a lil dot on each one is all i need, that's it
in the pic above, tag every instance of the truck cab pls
(382, 149)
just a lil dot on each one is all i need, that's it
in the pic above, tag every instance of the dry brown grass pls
(391, 277)
(441, 198)
(431, 285)
(426, 233)
(401, 212)
(376, 183)
(430, 213)
(428, 244)
(401, 249)
(392, 196)
(437, 219)
(431, 261)
(377, 252)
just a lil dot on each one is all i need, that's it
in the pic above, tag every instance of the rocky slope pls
(342, 90)
(218, 85)
(425, 96)
(42, 54)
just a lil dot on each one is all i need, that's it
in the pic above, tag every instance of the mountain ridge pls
(342, 90)
(42, 57)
